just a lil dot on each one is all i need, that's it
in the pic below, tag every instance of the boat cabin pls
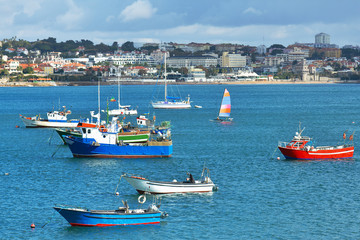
(298, 142)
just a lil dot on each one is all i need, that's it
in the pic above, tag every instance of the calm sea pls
(259, 196)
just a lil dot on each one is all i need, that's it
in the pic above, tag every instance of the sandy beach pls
(85, 83)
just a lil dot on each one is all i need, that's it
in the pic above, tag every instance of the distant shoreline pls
(89, 83)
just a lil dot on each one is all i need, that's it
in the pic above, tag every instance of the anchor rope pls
(56, 151)
(50, 219)
(274, 152)
(118, 184)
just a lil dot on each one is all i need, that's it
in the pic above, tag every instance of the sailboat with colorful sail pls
(225, 108)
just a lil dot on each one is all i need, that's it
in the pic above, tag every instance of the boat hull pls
(118, 112)
(33, 123)
(171, 105)
(103, 218)
(335, 153)
(81, 147)
(157, 187)
(64, 132)
(133, 138)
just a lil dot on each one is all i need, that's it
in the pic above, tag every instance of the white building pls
(261, 49)
(188, 61)
(322, 38)
(197, 74)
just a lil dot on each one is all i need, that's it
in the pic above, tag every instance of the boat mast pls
(221, 102)
(118, 74)
(165, 78)
(98, 115)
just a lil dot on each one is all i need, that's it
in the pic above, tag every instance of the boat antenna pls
(165, 77)
(300, 131)
(98, 117)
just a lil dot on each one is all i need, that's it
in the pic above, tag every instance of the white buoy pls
(117, 193)
(278, 158)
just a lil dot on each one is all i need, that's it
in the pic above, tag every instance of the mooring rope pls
(274, 152)
(56, 151)
(50, 218)
(118, 184)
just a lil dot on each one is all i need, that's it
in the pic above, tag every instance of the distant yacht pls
(171, 102)
(122, 109)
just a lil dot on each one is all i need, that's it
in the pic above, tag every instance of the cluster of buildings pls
(226, 61)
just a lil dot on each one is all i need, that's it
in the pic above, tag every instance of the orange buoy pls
(17, 126)
(32, 225)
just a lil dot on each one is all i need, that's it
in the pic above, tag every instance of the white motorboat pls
(143, 185)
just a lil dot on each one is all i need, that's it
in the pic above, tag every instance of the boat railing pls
(282, 144)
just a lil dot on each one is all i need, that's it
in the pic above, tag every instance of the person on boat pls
(190, 179)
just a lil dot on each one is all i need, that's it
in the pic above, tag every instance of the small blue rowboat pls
(103, 218)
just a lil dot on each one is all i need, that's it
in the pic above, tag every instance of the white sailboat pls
(122, 109)
(171, 102)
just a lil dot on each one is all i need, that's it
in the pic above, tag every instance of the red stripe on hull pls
(320, 154)
(121, 156)
(109, 225)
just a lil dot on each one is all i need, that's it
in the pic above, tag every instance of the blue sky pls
(249, 22)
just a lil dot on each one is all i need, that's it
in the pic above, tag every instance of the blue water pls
(259, 196)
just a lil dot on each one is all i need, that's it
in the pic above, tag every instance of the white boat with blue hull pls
(84, 217)
(55, 119)
(143, 185)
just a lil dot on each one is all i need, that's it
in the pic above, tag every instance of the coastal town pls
(49, 63)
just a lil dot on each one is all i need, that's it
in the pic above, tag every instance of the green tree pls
(142, 72)
(128, 46)
(28, 70)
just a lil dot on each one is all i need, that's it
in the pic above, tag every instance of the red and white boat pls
(301, 147)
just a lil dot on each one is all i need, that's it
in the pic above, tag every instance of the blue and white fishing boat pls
(55, 119)
(103, 218)
(104, 142)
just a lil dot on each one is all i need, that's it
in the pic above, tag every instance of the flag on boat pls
(112, 100)
(351, 137)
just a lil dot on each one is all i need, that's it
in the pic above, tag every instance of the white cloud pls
(141, 9)
(70, 20)
(252, 10)
(110, 18)
(30, 7)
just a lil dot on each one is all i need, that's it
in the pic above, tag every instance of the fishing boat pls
(122, 109)
(101, 142)
(103, 218)
(301, 147)
(225, 109)
(171, 102)
(143, 185)
(68, 132)
(55, 119)
(129, 134)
